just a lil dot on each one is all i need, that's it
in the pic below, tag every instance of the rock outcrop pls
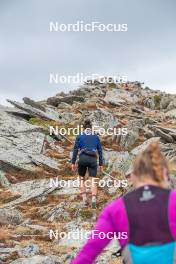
(38, 192)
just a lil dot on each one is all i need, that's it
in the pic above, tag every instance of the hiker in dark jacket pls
(87, 144)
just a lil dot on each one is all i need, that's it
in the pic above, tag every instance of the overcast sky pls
(29, 52)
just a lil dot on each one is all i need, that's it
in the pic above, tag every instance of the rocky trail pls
(35, 205)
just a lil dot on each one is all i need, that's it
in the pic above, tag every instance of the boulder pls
(49, 114)
(28, 251)
(30, 190)
(126, 141)
(165, 101)
(150, 103)
(21, 144)
(10, 217)
(169, 150)
(120, 97)
(136, 151)
(38, 259)
(34, 104)
(3, 180)
(101, 118)
(55, 101)
(171, 113)
(56, 213)
(165, 137)
(46, 161)
(117, 161)
(172, 105)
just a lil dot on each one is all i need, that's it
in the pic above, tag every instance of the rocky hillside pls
(30, 207)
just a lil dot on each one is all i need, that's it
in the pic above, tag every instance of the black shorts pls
(87, 162)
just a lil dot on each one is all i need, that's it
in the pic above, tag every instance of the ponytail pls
(151, 163)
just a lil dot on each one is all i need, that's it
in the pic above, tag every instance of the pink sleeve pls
(104, 227)
(172, 213)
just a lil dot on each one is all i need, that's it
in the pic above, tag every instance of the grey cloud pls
(28, 52)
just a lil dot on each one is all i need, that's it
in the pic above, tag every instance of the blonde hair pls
(151, 163)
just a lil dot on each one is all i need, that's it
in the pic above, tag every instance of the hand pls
(73, 167)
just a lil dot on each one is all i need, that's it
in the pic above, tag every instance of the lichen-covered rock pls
(28, 251)
(120, 97)
(136, 151)
(10, 217)
(39, 259)
(117, 161)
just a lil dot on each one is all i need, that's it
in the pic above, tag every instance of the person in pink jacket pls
(143, 221)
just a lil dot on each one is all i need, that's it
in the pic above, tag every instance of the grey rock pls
(117, 161)
(165, 100)
(89, 91)
(50, 114)
(21, 144)
(69, 187)
(16, 112)
(34, 104)
(11, 125)
(29, 142)
(51, 142)
(150, 103)
(169, 150)
(120, 97)
(3, 179)
(28, 251)
(172, 105)
(38, 259)
(18, 139)
(148, 133)
(55, 213)
(173, 181)
(16, 159)
(55, 101)
(10, 217)
(43, 160)
(167, 134)
(38, 228)
(63, 105)
(171, 114)
(136, 151)
(7, 250)
(101, 118)
(166, 137)
(127, 141)
(29, 190)
(165, 129)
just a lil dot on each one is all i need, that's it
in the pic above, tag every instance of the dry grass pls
(7, 196)
(5, 234)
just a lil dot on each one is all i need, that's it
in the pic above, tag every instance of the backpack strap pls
(172, 213)
(121, 220)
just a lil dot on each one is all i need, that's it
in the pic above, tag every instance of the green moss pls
(39, 122)
(42, 123)
(157, 100)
